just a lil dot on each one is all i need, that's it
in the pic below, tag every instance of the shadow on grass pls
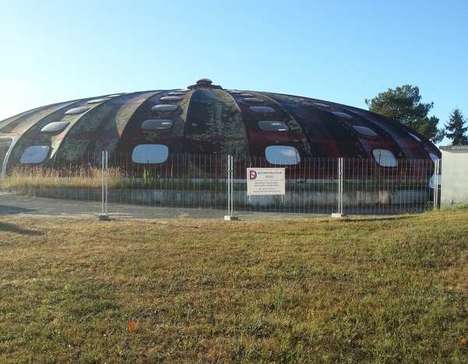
(11, 210)
(12, 228)
(378, 218)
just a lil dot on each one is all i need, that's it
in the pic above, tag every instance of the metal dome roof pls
(205, 118)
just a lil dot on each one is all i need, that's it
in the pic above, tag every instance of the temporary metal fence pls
(219, 181)
(104, 184)
(230, 187)
(340, 193)
(436, 182)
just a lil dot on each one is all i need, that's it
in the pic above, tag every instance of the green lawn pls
(383, 291)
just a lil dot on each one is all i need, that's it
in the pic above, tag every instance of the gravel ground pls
(26, 205)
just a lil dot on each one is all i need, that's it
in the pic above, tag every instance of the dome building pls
(150, 126)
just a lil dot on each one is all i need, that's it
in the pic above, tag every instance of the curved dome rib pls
(328, 135)
(295, 129)
(214, 123)
(26, 130)
(133, 134)
(99, 128)
(396, 132)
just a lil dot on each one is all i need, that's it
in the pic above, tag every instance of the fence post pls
(436, 184)
(104, 185)
(230, 189)
(340, 186)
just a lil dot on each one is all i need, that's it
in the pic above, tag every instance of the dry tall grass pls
(80, 177)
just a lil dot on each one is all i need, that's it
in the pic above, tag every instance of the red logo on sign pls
(252, 174)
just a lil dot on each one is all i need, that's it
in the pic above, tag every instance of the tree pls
(404, 104)
(455, 129)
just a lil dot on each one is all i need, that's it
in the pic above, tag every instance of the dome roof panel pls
(209, 119)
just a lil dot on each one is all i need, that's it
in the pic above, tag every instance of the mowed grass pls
(383, 291)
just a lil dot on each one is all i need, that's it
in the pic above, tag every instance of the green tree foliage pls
(404, 104)
(455, 129)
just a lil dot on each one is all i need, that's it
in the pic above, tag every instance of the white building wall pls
(454, 177)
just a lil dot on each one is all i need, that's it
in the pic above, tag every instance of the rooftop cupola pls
(204, 83)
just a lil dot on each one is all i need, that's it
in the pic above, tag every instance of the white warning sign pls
(266, 181)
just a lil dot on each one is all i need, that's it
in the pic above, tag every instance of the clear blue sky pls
(343, 51)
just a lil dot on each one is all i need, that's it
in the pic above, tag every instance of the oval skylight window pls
(150, 153)
(282, 154)
(272, 125)
(177, 93)
(97, 101)
(320, 104)
(157, 124)
(253, 100)
(262, 109)
(364, 130)
(385, 158)
(171, 98)
(165, 108)
(77, 110)
(342, 115)
(35, 154)
(55, 127)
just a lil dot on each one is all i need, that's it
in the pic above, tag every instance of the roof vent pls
(157, 124)
(165, 108)
(97, 101)
(55, 127)
(262, 109)
(76, 110)
(252, 100)
(177, 93)
(171, 98)
(342, 115)
(320, 104)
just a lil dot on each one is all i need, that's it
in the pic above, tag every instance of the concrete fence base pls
(218, 199)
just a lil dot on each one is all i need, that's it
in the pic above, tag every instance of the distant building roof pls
(455, 148)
